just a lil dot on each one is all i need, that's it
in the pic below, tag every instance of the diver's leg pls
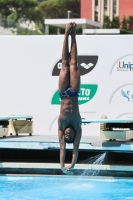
(74, 71)
(64, 77)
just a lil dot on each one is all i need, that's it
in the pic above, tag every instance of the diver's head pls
(69, 135)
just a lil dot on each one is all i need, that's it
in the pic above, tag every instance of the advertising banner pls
(30, 67)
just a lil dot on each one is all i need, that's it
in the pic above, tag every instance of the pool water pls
(64, 188)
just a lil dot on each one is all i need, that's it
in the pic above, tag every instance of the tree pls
(58, 8)
(10, 21)
(115, 22)
(72, 5)
(9, 6)
(14, 10)
(40, 1)
(107, 22)
(130, 23)
(124, 23)
(51, 9)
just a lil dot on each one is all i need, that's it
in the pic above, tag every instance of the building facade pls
(95, 10)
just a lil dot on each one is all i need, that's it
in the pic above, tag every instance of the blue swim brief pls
(69, 93)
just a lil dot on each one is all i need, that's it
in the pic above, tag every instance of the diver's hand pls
(69, 167)
(67, 171)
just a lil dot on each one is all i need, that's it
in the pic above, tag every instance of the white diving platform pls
(15, 117)
(121, 120)
(15, 124)
(113, 129)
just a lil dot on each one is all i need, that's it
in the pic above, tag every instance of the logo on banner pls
(85, 65)
(124, 64)
(123, 94)
(128, 95)
(87, 92)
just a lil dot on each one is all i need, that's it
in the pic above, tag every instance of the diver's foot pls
(68, 29)
(74, 26)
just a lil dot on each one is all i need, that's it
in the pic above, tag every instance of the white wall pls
(27, 84)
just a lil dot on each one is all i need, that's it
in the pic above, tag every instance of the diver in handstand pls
(69, 121)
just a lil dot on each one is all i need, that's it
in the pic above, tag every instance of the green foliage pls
(58, 8)
(123, 31)
(124, 23)
(51, 9)
(14, 10)
(73, 6)
(107, 22)
(19, 6)
(115, 22)
(24, 31)
(130, 23)
(40, 1)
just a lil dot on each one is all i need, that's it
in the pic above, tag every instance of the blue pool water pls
(64, 188)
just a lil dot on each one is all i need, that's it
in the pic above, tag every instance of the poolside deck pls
(88, 143)
(39, 154)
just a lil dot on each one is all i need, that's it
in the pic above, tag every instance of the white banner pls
(30, 65)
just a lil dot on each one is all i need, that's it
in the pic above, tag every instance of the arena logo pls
(85, 65)
(87, 92)
(123, 94)
(124, 64)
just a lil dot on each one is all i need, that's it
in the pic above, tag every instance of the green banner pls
(87, 92)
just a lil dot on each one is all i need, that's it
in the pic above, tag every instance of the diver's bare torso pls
(69, 114)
